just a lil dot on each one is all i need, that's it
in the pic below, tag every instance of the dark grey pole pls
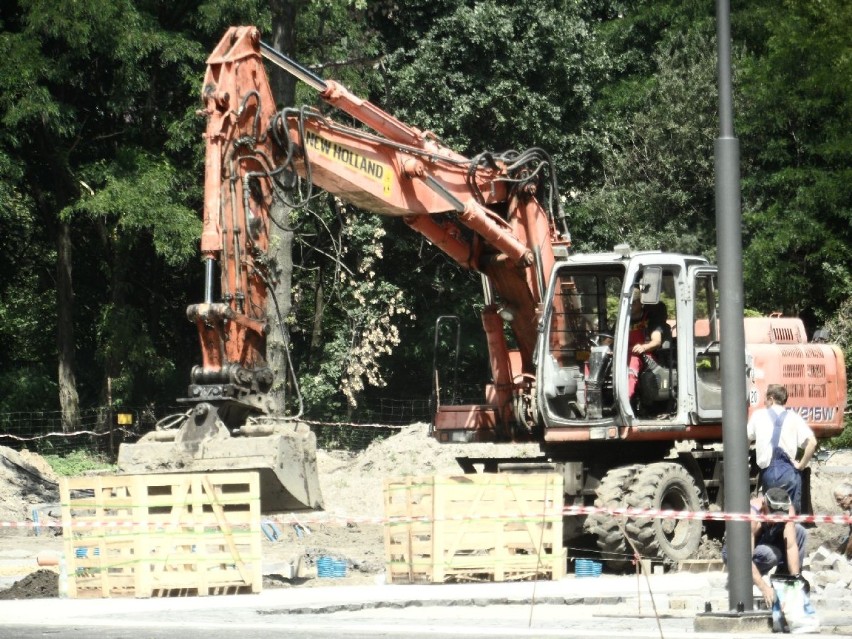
(729, 240)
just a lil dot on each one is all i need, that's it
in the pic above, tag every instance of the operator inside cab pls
(648, 330)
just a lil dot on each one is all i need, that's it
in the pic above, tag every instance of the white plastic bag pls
(792, 611)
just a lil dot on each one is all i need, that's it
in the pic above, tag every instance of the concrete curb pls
(445, 603)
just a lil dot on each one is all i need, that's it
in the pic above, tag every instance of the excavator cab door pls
(649, 382)
(706, 352)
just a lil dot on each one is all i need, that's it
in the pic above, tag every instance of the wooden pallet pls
(487, 527)
(162, 535)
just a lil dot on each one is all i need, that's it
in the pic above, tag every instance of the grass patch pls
(78, 462)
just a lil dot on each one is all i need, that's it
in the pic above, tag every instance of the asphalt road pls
(601, 607)
(471, 622)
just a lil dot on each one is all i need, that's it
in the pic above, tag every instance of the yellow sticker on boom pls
(372, 169)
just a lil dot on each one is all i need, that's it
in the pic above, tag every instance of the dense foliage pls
(797, 96)
(101, 170)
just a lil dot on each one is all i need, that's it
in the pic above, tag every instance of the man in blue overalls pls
(778, 434)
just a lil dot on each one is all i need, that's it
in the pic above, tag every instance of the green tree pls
(839, 327)
(647, 141)
(97, 102)
(797, 150)
(26, 288)
(495, 74)
(655, 188)
(348, 313)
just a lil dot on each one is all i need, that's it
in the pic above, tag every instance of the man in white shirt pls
(778, 434)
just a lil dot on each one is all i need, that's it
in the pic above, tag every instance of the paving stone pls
(826, 577)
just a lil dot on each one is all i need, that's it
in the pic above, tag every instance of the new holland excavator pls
(556, 323)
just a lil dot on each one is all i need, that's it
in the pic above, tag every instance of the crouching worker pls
(780, 545)
(774, 545)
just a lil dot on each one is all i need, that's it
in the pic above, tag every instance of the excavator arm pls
(485, 213)
(235, 233)
(232, 422)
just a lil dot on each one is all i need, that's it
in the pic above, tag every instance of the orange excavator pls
(557, 324)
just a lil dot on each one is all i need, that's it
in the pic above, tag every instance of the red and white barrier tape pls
(568, 511)
(656, 513)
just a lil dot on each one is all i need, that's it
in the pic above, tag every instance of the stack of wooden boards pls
(161, 535)
(486, 527)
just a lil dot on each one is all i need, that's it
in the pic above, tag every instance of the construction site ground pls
(350, 529)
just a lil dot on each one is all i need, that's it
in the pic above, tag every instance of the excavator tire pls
(664, 486)
(609, 529)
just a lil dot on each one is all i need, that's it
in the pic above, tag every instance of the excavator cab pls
(596, 303)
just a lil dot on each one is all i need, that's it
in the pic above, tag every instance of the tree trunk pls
(52, 187)
(69, 401)
(283, 86)
(284, 14)
(278, 308)
(319, 307)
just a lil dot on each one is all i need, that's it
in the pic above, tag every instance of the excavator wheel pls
(609, 529)
(665, 486)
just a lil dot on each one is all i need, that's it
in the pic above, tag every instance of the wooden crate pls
(487, 527)
(162, 535)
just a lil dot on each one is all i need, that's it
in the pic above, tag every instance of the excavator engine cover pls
(282, 451)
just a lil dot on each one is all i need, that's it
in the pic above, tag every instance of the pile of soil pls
(352, 484)
(41, 584)
(26, 480)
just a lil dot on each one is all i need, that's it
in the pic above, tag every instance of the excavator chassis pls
(282, 451)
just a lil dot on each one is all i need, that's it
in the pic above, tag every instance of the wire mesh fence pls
(101, 429)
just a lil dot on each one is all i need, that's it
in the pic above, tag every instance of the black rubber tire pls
(609, 530)
(665, 486)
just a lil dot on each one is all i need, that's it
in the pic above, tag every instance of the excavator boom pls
(497, 214)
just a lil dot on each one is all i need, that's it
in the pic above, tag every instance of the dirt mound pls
(353, 484)
(40, 464)
(26, 480)
(40, 584)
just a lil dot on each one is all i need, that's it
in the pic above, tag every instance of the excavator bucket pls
(282, 451)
